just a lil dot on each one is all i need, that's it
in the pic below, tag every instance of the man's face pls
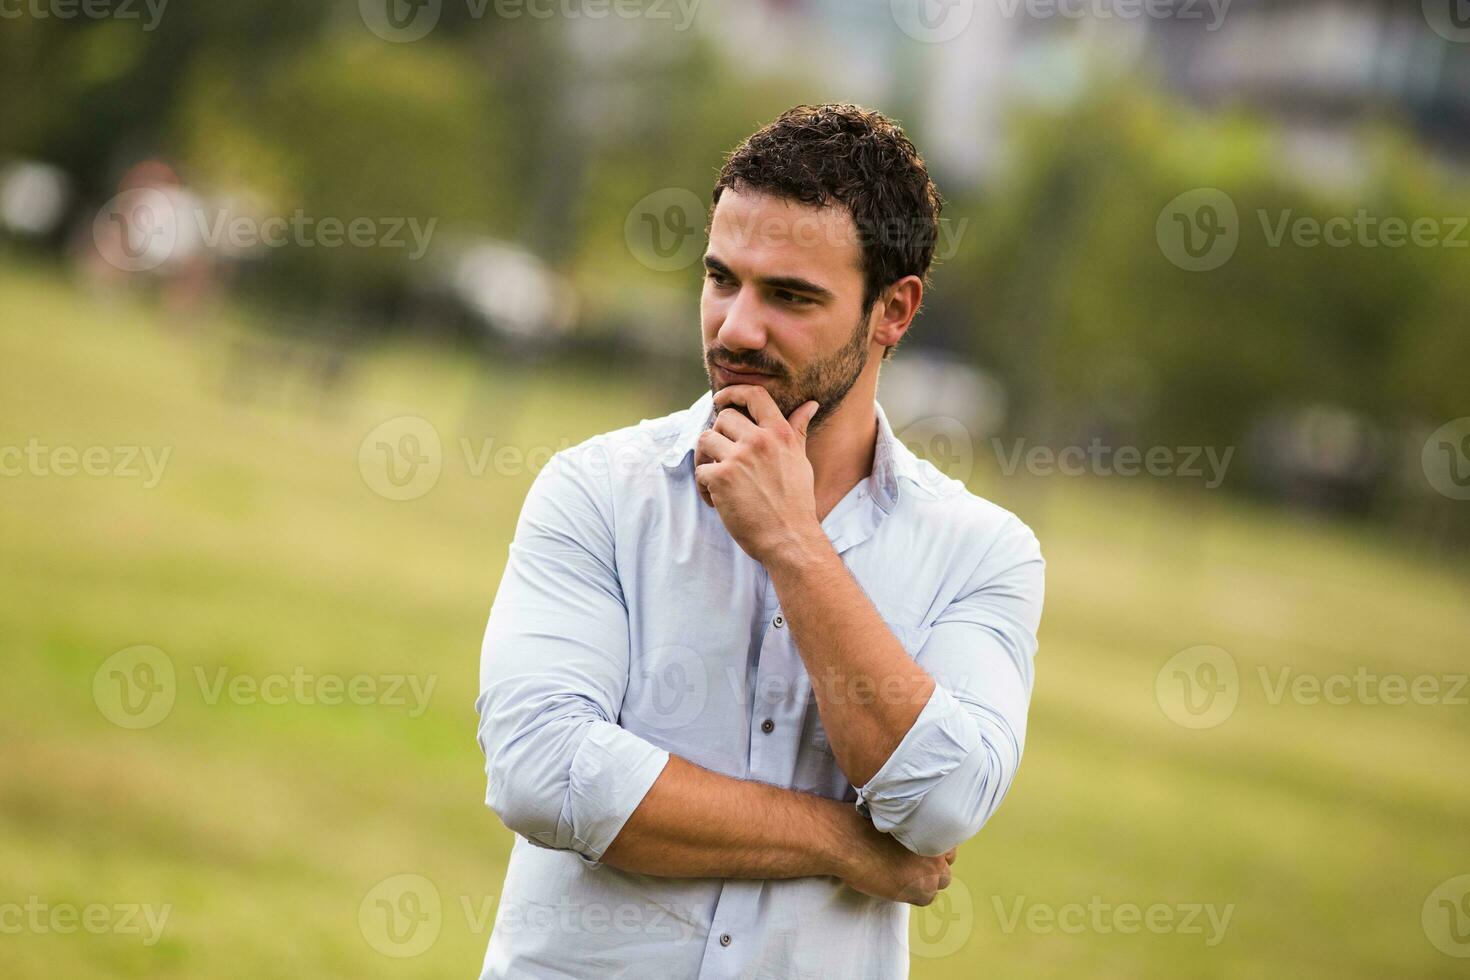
(782, 301)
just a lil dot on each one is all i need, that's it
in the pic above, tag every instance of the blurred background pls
(296, 297)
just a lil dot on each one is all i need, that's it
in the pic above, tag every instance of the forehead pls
(760, 234)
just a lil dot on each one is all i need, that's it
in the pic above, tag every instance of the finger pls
(756, 399)
(699, 460)
(952, 854)
(705, 474)
(734, 425)
(713, 446)
(801, 419)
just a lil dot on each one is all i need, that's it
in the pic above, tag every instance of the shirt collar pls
(892, 460)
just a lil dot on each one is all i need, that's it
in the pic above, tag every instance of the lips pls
(741, 375)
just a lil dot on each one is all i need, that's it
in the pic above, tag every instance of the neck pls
(841, 450)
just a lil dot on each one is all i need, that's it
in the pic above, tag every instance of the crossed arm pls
(929, 765)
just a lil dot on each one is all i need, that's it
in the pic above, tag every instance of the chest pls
(714, 673)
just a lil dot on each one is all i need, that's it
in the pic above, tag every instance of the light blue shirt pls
(629, 625)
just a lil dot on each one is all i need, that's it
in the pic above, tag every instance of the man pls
(755, 670)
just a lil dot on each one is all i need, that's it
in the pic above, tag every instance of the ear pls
(897, 306)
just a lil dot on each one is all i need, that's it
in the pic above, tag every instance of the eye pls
(793, 299)
(719, 279)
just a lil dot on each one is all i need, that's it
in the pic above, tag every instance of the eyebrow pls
(794, 284)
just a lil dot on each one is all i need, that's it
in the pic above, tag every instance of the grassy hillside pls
(262, 554)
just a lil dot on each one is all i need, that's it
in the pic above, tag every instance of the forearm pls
(868, 689)
(694, 823)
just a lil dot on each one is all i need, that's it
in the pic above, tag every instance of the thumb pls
(802, 417)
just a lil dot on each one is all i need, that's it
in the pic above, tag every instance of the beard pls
(825, 381)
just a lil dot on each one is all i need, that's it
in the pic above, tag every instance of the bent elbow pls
(522, 798)
(528, 775)
(957, 807)
(934, 834)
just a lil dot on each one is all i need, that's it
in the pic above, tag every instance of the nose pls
(741, 328)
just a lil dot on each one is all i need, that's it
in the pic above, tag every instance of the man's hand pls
(756, 474)
(884, 868)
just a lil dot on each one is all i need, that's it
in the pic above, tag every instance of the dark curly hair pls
(857, 158)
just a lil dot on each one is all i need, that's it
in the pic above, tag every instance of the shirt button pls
(768, 726)
(725, 939)
(778, 622)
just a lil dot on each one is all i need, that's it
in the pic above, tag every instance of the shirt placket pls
(775, 726)
(774, 733)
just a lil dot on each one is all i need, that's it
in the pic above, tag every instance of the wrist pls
(842, 850)
(806, 548)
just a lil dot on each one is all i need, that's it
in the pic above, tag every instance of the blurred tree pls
(350, 127)
(1092, 326)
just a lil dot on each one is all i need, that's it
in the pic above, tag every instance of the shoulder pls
(977, 526)
(635, 450)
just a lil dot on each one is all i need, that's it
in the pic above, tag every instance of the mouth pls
(731, 376)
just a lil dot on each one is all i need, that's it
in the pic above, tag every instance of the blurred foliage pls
(1090, 323)
(352, 127)
(1076, 296)
(546, 132)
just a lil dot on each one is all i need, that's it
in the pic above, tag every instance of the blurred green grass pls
(263, 549)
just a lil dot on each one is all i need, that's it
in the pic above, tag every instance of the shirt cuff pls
(939, 740)
(611, 773)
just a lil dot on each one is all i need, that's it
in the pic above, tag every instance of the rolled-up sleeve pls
(554, 668)
(952, 769)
